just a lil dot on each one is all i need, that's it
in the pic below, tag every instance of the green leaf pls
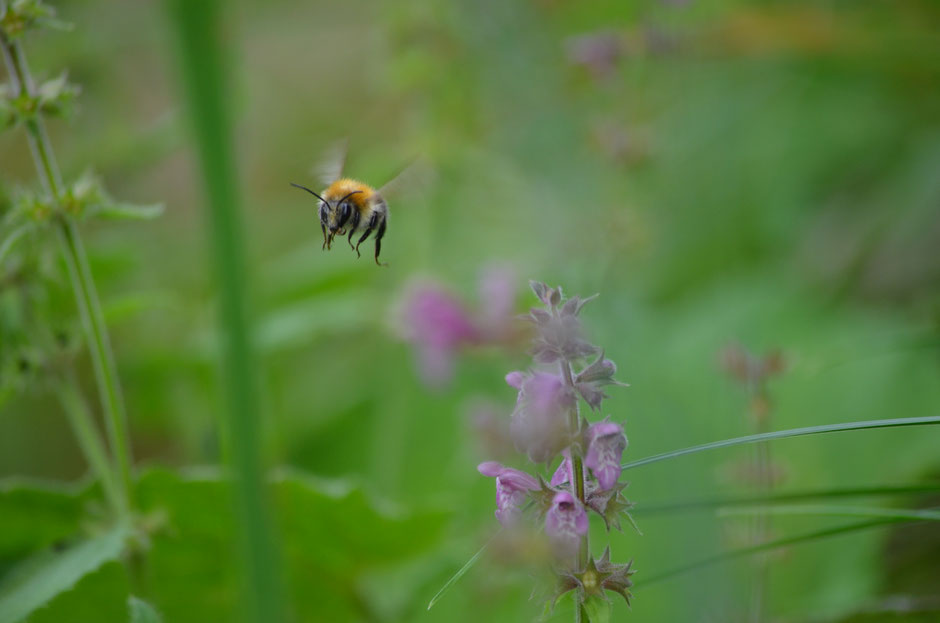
(99, 597)
(36, 581)
(334, 530)
(598, 609)
(141, 611)
(36, 517)
(783, 434)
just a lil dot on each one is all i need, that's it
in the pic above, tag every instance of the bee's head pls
(335, 214)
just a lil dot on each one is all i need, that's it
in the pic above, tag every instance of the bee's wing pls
(411, 180)
(329, 167)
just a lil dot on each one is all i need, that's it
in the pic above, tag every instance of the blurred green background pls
(719, 170)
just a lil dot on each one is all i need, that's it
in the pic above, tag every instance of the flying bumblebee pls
(348, 206)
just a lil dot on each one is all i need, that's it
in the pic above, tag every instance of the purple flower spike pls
(606, 443)
(437, 324)
(512, 486)
(540, 423)
(565, 523)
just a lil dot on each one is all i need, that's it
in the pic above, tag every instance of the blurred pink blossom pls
(440, 325)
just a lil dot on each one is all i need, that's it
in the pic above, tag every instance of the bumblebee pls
(348, 205)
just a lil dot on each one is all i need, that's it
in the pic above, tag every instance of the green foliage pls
(39, 579)
(333, 532)
(141, 611)
(36, 518)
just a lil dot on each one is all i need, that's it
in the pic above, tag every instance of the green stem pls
(80, 418)
(79, 270)
(577, 487)
(99, 346)
(203, 48)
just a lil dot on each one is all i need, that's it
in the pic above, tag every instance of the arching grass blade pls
(460, 573)
(840, 511)
(783, 434)
(763, 547)
(777, 498)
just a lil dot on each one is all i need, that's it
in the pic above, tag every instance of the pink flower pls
(565, 523)
(512, 486)
(606, 443)
(438, 325)
(540, 422)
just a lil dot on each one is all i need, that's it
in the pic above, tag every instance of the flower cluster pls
(545, 425)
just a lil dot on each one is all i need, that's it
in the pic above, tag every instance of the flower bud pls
(606, 443)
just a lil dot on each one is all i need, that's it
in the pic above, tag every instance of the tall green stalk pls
(202, 63)
(79, 270)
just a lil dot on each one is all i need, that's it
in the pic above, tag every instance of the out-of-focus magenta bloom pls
(438, 325)
(512, 486)
(565, 523)
(597, 52)
(606, 443)
(539, 425)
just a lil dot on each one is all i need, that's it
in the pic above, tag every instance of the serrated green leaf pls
(36, 517)
(597, 609)
(141, 612)
(39, 579)
(334, 533)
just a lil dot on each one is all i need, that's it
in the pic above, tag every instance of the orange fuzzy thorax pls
(342, 187)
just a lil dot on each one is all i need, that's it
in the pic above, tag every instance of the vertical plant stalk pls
(577, 487)
(761, 521)
(202, 56)
(79, 270)
(82, 422)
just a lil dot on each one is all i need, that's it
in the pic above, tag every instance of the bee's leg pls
(323, 228)
(378, 241)
(369, 227)
(352, 228)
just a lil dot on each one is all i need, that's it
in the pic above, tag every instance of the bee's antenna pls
(347, 196)
(311, 192)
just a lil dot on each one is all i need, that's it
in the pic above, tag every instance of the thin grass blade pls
(456, 577)
(765, 547)
(784, 434)
(839, 511)
(778, 498)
